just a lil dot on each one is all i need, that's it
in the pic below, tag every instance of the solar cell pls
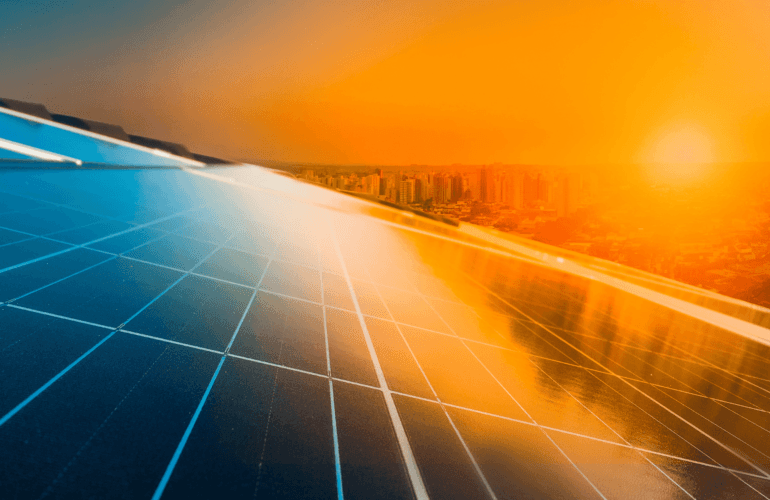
(123, 421)
(12, 203)
(35, 347)
(108, 294)
(266, 432)
(348, 353)
(23, 251)
(21, 281)
(8, 236)
(371, 464)
(196, 311)
(235, 266)
(127, 241)
(90, 232)
(174, 251)
(283, 331)
(245, 341)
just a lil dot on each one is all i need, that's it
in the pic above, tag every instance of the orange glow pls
(550, 82)
(683, 145)
(680, 154)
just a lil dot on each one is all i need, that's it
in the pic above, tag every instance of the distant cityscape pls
(715, 239)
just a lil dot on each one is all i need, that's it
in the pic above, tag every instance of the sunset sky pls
(402, 82)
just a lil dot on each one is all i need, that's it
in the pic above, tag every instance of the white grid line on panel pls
(727, 448)
(406, 450)
(298, 370)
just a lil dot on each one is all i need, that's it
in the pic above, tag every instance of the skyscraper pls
(169, 332)
(371, 184)
(488, 184)
(442, 188)
(406, 191)
(567, 194)
(457, 187)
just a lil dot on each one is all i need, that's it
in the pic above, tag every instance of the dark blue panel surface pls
(283, 331)
(236, 266)
(293, 280)
(446, 469)
(90, 232)
(370, 458)
(196, 311)
(206, 231)
(8, 236)
(17, 253)
(173, 223)
(127, 241)
(348, 353)
(108, 294)
(13, 203)
(265, 432)
(34, 348)
(173, 251)
(22, 280)
(109, 427)
(614, 374)
(46, 220)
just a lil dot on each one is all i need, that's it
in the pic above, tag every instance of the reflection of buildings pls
(292, 370)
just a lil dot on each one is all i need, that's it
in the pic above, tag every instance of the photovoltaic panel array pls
(174, 333)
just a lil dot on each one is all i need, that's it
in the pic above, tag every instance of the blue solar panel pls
(232, 333)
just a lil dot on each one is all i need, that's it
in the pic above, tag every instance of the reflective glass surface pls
(229, 332)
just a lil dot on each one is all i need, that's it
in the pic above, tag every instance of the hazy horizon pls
(401, 83)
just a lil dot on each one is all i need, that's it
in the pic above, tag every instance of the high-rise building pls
(442, 188)
(371, 184)
(406, 191)
(545, 188)
(474, 185)
(422, 187)
(512, 189)
(530, 189)
(487, 184)
(457, 188)
(217, 369)
(567, 194)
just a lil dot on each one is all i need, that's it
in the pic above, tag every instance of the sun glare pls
(680, 154)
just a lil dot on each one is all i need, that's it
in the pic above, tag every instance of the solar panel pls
(228, 332)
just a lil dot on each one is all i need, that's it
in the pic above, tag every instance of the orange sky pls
(552, 82)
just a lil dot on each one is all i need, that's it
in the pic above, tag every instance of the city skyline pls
(403, 249)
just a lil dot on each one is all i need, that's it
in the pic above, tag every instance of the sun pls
(680, 153)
